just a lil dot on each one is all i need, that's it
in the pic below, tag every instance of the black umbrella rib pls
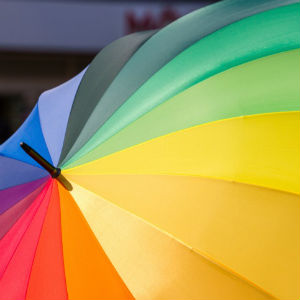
(54, 172)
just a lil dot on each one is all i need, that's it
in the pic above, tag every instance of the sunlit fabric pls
(179, 153)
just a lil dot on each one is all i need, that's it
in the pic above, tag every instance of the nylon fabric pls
(251, 230)
(11, 240)
(259, 149)
(20, 264)
(10, 216)
(31, 133)
(11, 196)
(14, 172)
(99, 75)
(47, 277)
(160, 49)
(91, 277)
(267, 33)
(269, 84)
(54, 121)
(180, 154)
(152, 263)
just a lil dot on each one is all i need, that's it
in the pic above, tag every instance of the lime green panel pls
(269, 84)
(267, 33)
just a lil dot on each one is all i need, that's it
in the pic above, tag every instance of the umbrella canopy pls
(179, 158)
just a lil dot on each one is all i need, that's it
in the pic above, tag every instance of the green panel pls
(267, 33)
(161, 48)
(99, 75)
(269, 84)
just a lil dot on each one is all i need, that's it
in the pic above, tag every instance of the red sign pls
(148, 21)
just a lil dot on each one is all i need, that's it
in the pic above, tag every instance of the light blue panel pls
(54, 108)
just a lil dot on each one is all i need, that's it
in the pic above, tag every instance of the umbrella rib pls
(220, 179)
(195, 250)
(189, 175)
(43, 193)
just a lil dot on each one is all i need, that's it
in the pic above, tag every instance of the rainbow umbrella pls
(167, 169)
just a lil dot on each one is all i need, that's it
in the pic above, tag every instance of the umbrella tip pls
(24, 146)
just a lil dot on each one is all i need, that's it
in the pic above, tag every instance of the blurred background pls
(43, 43)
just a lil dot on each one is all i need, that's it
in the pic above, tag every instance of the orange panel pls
(89, 273)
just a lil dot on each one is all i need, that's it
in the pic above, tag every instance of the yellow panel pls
(259, 149)
(152, 264)
(254, 231)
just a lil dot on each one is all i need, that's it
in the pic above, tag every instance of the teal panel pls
(99, 75)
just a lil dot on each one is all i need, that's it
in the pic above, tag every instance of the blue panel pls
(30, 132)
(14, 172)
